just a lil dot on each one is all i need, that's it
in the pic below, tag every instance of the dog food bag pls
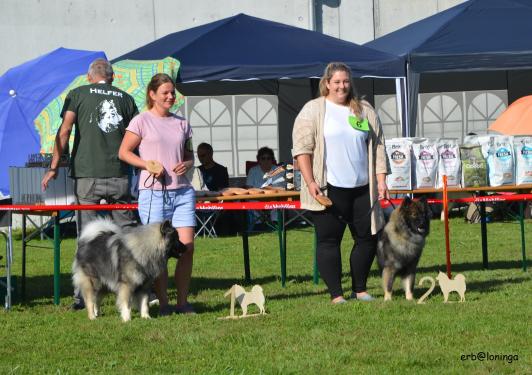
(499, 151)
(523, 159)
(399, 155)
(425, 156)
(474, 166)
(449, 162)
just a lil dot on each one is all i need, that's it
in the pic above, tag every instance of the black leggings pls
(351, 206)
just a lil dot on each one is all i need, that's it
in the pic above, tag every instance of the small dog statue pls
(447, 285)
(255, 296)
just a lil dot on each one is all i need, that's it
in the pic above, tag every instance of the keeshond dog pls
(401, 244)
(126, 263)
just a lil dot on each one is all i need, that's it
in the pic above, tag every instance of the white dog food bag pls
(425, 156)
(498, 150)
(523, 159)
(399, 155)
(449, 162)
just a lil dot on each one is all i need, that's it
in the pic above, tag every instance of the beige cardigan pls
(307, 138)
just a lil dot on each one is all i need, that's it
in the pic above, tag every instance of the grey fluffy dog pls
(401, 245)
(126, 263)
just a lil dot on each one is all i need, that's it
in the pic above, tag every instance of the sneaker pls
(185, 309)
(152, 299)
(365, 298)
(338, 301)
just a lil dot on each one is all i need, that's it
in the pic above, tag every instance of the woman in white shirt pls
(338, 143)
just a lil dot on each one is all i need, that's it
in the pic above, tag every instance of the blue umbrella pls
(24, 91)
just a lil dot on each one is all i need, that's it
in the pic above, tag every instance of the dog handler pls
(339, 145)
(164, 142)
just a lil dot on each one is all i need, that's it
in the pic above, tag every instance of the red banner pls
(245, 205)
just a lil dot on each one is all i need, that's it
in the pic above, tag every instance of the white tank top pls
(346, 151)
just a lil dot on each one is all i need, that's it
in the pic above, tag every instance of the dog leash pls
(150, 186)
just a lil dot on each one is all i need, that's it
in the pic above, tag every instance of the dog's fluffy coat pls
(401, 244)
(125, 263)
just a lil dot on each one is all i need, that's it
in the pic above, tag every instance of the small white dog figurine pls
(447, 286)
(256, 296)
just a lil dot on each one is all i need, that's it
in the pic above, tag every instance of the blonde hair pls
(352, 97)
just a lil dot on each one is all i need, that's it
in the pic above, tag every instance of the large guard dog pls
(125, 263)
(401, 244)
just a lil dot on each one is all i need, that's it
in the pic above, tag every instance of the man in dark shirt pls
(101, 113)
(214, 175)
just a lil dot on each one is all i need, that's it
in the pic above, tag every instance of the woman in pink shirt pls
(166, 138)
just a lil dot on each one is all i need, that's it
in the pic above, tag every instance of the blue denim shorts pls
(178, 205)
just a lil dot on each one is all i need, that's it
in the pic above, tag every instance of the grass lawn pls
(302, 332)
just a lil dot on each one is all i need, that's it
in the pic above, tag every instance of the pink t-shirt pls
(163, 139)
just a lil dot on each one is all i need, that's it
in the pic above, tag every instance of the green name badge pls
(358, 124)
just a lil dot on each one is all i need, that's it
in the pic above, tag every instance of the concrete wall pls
(30, 28)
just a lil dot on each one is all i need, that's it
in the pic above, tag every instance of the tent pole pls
(311, 15)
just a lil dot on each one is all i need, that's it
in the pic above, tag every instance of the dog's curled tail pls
(96, 227)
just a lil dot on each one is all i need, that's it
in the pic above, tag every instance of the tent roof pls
(243, 47)
(475, 35)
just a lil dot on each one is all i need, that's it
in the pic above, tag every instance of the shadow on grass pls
(40, 288)
(460, 267)
(474, 266)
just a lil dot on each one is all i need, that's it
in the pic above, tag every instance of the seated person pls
(266, 161)
(255, 178)
(214, 175)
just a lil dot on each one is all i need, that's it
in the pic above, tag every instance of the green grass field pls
(302, 332)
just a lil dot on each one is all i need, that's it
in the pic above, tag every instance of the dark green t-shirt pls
(103, 113)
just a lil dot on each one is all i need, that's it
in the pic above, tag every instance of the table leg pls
(9, 260)
(281, 231)
(316, 276)
(23, 281)
(57, 256)
(522, 224)
(483, 233)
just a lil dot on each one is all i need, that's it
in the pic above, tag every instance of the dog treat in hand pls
(154, 167)
(324, 201)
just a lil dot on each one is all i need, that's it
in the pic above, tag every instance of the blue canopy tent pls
(24, 91)
(243, 47)
(263, 53)
(475, 35)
